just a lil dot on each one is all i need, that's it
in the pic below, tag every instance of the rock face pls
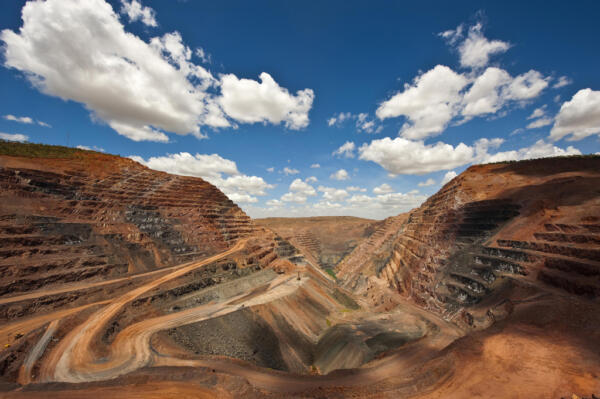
(325, 240)
(458, 255)
(100, 216)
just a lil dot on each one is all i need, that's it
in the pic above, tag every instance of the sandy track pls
(75, 347)
(79, 286)
(36, 352)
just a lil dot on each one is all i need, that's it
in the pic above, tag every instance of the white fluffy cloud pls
(311, 179)
(248, 101)
(299, 192)
(340, 175)
(526, 86)
(436, 97)
(541, 122)
(18, 119)
(24, 119)
(485, 96)
(213, 168)
(448, 176)
(13, 137)
(494, 88)
(333, 194)
(538, 112)
(339, 118)
(80, 51)
(356, 188)
(398, 202)
(135, 11)
(429, 103)
(401, 156)
(383, 189)
(579, 117)
(539, 149)
(290, 171)
(427, 183)
(315, 166)
(361, 121)
(561, 82)
(474, 50)
(345, 150)
(88, 148)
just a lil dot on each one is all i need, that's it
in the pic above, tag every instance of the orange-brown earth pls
(326, 240)
(122, 281)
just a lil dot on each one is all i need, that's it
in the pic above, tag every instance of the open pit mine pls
(121, 281)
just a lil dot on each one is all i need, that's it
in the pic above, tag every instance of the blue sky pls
(389, 99)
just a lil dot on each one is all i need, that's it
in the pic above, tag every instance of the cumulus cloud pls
(248, 101)
(271, 169)
(203, 55)
(362, 122)
(436, 97)
(427, 183)
(311, 179)
(213, 168)
(540, 118)
(526, 86)
(18, 119)
(493, 89)
(299, 191)
(13, 137)
(135, 11)
(25, 119)
(315, 166)
(402, 156)
(88, 148)
(290, 171)
(474, 49)
(540, 149)
(356, 188)
(333, 194)
(541, 122)
(80, 51)
(561, 82)
(538, 112)
(340, 175)
(339, 118)
(383, 189)
(485, 95)
(579, 117)
(345, 150)
(429, 103)
(448, 176)
(398, 202)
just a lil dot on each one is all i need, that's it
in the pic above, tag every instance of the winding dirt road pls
(73, 360)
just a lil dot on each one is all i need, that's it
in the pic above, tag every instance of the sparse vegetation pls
(33, 150)
(331, 273)
(345, 300)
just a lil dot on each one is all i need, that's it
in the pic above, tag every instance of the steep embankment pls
(325, 240)
(536, 222)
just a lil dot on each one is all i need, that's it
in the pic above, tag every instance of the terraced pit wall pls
(96, 216)
(494, 227)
